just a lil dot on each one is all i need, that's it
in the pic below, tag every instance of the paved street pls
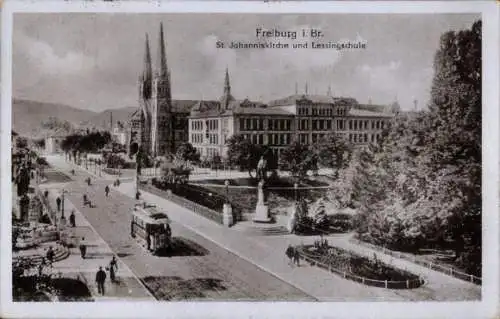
(248, 276)
(198, 270)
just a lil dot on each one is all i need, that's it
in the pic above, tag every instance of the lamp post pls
(296, 188)
(62, 206)
(226, 183)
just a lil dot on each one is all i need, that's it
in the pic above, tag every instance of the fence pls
(429, 264)
(407, 284)
(181, 201)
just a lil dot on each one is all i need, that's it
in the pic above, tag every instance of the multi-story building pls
(302, 117)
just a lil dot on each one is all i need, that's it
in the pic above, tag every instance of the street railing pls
(388, 284)
(429, 264)
(186, 203)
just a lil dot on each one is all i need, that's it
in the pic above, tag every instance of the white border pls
(487, 308)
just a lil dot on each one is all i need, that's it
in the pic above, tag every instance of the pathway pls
(267, 252)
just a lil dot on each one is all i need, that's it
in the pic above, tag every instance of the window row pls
(197, 125)
(256, 124)
(197, 138)
(364, 138)
(366, 124)
(212, 125)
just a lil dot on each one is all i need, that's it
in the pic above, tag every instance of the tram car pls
(151, 229)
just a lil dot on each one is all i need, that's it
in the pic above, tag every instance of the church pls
(152, 126)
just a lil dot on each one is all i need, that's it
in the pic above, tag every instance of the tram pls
(151, 229)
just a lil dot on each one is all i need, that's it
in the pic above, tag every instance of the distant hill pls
(31, 118)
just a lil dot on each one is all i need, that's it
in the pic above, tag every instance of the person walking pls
(289, 253)
(50, 256)
(83, 248)
(296, 257)
(85, 199)
(100, 278)
(106, 190)
(72, 219)
(58, 202)
(113, 268)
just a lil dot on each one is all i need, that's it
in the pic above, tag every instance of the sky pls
(93, 61)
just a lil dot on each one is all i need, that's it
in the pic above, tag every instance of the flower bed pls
(368, 271)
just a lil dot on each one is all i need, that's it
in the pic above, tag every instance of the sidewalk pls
(267, 252)
(99, 254)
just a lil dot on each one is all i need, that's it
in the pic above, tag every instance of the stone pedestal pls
(62, 222)
(262, 214)
(227, 217)
(292, 220)
(261, 210)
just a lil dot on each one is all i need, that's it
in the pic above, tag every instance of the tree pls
(21, 142)
(455, 142)
(422, 182)
(298, 159)
(187, 152)
(244, 153)
(332, 152)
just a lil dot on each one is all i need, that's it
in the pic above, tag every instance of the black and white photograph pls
(234, 156)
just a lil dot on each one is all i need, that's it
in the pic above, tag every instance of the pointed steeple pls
(329, 92)
(147, 72)
(162, 56)
(306, 89)
(226, 97)
(296, 88)
(227, 86)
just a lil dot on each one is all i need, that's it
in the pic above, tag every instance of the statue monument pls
(261, 210)
(261, 169)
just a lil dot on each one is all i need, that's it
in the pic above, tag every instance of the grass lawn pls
(281, 195)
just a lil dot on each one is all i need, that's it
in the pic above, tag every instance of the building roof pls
(367, 113)
(314, 98)
(213, 108)
(372, 107)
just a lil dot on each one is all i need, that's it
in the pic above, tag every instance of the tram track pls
(239, 279)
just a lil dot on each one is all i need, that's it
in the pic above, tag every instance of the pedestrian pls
(72, 220)
(50, 256)
(40, 267)
(289, 253)
(113, 268)
(106, 190)
(296, 257)
(83, 248)
(148, 241)
(58, 202)
(100, 278)
(85, 200)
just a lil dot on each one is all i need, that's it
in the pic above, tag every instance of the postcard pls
(250, 159)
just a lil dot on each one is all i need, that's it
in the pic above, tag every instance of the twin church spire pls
(161, 67)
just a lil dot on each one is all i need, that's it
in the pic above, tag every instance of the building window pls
(329, 124)
(350, 125)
